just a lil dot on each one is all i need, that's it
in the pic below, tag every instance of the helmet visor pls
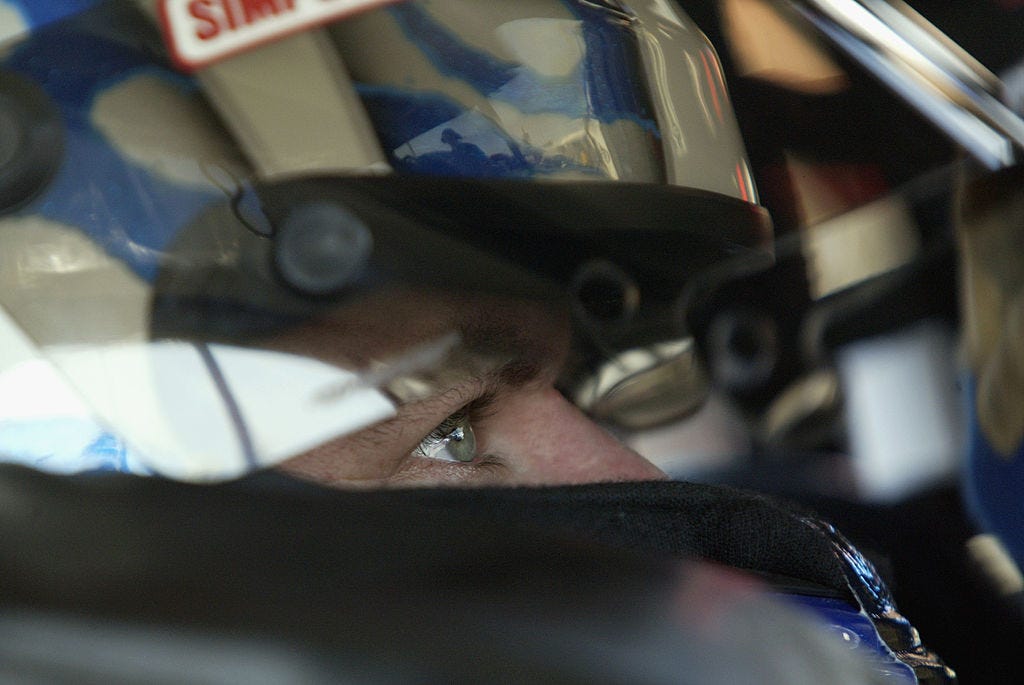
(223, 285)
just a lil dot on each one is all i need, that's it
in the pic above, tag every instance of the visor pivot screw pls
(31, 141)
(605, 293)
(320, 248)
(744, 348)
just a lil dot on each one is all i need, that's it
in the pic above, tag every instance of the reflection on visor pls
(645, 387)
(44, 423)
(210, 412)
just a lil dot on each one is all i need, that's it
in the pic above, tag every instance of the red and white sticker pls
(201, 32)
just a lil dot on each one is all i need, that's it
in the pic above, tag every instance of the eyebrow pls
(526, 357)
(516, 360)
(492, 356)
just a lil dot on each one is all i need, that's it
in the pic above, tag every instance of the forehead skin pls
(388, 324)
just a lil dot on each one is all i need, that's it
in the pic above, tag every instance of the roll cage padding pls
(63, 531)
(330, 569)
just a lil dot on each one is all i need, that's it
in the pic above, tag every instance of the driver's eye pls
(453, 440)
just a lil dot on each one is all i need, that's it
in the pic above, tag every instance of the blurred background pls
(839, 374)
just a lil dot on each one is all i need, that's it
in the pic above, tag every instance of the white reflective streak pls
(12, 23)
(218, 412)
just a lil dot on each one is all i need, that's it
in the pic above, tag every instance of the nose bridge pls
(556, 443)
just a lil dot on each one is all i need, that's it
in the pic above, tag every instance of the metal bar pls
(926, 69)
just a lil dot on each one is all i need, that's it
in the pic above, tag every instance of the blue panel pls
(994, 485)
(38, 13)
(854, 629)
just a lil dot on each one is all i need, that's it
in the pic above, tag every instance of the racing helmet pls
(202, 203)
